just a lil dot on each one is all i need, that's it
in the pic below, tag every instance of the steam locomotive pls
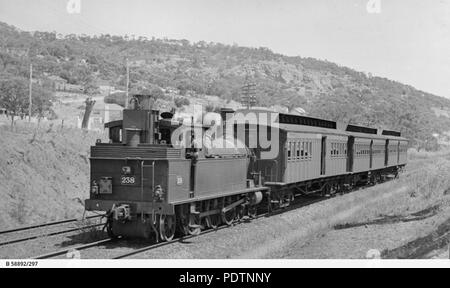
(161, 177)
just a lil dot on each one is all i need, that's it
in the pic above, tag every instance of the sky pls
(403, 40)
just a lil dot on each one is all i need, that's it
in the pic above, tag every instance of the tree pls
(42, 102)
(14, 96)
(181, 101)
(90, 88)
(118, 98)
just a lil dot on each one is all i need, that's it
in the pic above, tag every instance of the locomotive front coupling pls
(121, 213)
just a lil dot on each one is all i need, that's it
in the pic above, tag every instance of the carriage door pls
(371, 154)
(398, 152)
(323, 157)
(350, 145)
(386, 153)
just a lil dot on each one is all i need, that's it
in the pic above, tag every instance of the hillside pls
(321, 88)
(44, 174)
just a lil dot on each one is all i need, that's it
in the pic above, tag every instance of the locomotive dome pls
(225, 147)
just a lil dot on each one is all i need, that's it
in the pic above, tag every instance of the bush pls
(181, 101)
(116, 98)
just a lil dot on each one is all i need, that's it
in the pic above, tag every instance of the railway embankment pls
(404, 218)
(44, 173)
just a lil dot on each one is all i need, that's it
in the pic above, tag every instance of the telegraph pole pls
(249, 93)
(31, 92)
(128, 83)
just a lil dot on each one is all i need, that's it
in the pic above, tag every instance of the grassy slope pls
(43, 174)
(425, 184)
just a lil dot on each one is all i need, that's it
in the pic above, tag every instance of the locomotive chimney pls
(141, 122)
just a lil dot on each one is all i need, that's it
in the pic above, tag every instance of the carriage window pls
(302, 152)
(289, 151)
(293, 150)
(306, 150)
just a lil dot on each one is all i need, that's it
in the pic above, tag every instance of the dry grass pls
(413, 154)
(425, 186)
(421, 189)
(44, 172)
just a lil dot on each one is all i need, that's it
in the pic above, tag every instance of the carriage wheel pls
(167, 227)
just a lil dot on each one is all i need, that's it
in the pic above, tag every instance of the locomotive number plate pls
(128, 180)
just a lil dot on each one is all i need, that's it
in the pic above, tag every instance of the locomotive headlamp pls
(126, 170)
(94, 187)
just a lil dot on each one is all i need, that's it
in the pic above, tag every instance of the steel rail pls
(78, 248)
(162, 244)
(181, 239)
(9, 242)
(46, 225)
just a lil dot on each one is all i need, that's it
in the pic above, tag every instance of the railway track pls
(46, 225)
(263, 212)
(20, 235)
(177, 240)
(77, 248)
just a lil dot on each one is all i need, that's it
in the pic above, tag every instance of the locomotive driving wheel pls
(253, 212)
(214, 221)
(230, 216)
(167, 227)
(240, 212)
(193, 226)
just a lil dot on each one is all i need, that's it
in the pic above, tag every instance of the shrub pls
(181, 101)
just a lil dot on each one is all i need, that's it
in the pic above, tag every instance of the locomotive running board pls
(279, 184)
